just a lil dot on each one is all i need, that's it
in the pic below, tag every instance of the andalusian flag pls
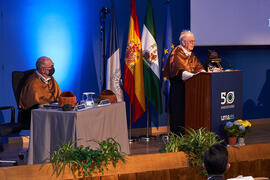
(133, 80)
(150, 61)
(113, 63)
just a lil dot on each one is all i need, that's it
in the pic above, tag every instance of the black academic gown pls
(177, 105)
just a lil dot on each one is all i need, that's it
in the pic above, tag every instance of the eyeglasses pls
(191, 41)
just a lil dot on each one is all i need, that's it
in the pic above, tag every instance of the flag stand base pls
(147, 138)
(164, 137)
(132, 139)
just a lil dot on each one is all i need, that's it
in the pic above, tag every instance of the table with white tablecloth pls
(53, 127)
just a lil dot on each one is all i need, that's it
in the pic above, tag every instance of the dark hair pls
(216, 159)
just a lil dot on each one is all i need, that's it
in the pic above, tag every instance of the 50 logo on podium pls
(227, 97)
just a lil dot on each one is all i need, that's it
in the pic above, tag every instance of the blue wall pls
(68, 31)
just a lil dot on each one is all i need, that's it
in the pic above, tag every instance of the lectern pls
(212, 99)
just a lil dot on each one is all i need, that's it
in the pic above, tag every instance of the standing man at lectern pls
(181, 65)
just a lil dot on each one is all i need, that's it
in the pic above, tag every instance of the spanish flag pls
(133, 75)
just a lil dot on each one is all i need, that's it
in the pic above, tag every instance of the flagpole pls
(168, 47)
(147, 138)
(103, 13)
(166, 136)
(147, 122)
(151, 73)
(133, 58)
(130, 140)
(169, 127)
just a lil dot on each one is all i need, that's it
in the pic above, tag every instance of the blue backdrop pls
(68, 31)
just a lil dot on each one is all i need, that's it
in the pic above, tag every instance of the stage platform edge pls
(249, 160)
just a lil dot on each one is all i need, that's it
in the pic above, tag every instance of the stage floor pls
(259, 133)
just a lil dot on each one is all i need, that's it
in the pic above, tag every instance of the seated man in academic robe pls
(40, 87)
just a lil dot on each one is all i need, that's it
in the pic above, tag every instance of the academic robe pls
(178, 62)
(37, 92)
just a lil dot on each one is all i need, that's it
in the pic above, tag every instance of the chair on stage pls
(18, 80)
(7, 129)
(24, 116)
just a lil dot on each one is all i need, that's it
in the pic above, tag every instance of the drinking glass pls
(88, 99)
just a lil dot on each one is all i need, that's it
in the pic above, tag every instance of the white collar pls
(43, 79)
(185, 51)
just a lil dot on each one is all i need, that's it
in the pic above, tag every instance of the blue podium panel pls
(226, 99)
(212, 99)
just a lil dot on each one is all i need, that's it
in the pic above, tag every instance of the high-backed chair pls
(18, 80)
(10, 127)
(24, 116)
(7, 129)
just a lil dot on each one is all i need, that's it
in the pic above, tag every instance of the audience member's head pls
(44, 66)
(187, 40)
(216, 160)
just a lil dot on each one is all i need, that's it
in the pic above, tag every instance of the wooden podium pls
(212, 99)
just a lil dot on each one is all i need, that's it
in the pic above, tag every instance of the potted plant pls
(236, 129)
(232, 132)
(194, 143)
(84, 160)
(244, 126)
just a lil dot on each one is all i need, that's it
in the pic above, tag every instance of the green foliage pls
(173, 144)
(86, 161)
(194, 144)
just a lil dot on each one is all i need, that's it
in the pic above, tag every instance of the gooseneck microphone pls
(105, 10)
